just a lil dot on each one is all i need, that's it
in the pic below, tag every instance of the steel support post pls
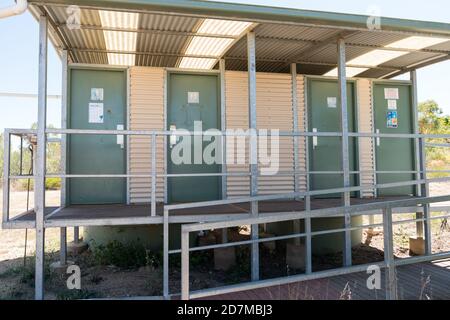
(76, 234)
(251, 54)
(64, 77)
(342, 80)
(166, 254)
(184, 265)
(391, 279)
(64, 65)
(39, 192)
(425, 191)
(308, 241)
(295, 140)
(223, 125)
(153, 204)
(6, 174)
(63, 246)
(417, 150)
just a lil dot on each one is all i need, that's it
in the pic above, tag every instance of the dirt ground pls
(16, 281)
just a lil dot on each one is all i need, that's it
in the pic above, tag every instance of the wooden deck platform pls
(121, 214)
(413, 285)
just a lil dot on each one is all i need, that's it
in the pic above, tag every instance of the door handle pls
(173, 137)
(315, 139)
(120, 138)
(378, 138)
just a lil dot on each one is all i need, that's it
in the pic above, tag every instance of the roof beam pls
(308, 52)
(417, 65)
(146, 53)
(150, 31)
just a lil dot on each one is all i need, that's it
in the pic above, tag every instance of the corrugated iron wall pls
(274, 111)
(146, 113)
(366, 124)
(302, 126)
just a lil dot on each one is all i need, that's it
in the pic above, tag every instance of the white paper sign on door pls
(97, 94)
(391, 94)
(392, 104)
(332, 102)
(96, 113)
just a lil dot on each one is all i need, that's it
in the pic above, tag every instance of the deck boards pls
(409, 287)
(111, 211)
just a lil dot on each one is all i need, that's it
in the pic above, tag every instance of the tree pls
(432, 120)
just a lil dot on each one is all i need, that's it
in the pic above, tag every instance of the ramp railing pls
(357, 210)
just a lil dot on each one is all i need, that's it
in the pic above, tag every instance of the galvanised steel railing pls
(154, 175)
(357, 210)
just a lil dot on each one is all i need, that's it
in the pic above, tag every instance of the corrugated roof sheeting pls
(87, 17)
(268, 49)
(91, 57)
(443, 46)
(410, 59)
(313, 69)
(294, 32)
(156, 61)
(168, 22)
(174, 44)
(274, 42)
(374, 73)
(329, 54)
(261, 66)
(374, 38)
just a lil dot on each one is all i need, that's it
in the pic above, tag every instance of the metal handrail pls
(321, 213)
(154, 175)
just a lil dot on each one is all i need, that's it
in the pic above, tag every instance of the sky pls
(19, 54)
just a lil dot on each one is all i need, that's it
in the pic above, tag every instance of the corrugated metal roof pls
(162, 41)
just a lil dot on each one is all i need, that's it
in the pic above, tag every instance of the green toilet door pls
(97, 101)
(393, 114)
(192, 98)
(324, 115)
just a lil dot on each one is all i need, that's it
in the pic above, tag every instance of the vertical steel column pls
(62, 246)
(345, 147)
(425, 191)
(64, 82)
(223, 125)
(251, 54)
(166, 254)
(417, 150)
(39, 184)
(76, 234)
(64, 62)
(308, 244)
(153, 205)
(184, 265)
(6, 173)
(391, 279)
(295, 139)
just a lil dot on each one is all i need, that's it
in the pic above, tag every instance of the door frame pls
(222, 107)
(409, 84)
(65, 157)
(353, 81)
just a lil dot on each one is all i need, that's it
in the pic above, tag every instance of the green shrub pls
(76, 295)
(125, 256)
